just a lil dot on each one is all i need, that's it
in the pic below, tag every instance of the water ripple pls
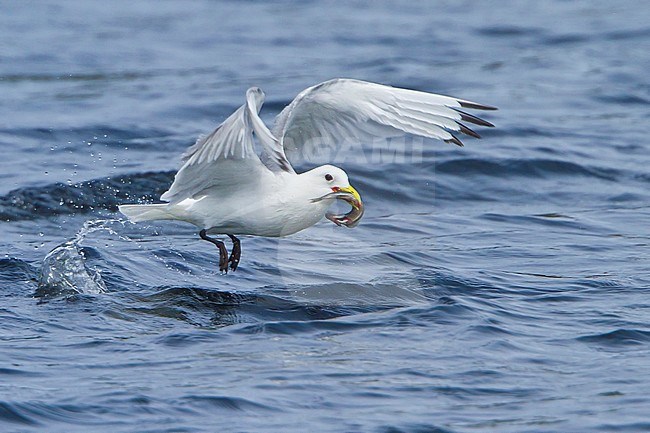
(618, 338)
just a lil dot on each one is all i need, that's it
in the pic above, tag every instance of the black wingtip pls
(473, 119)
(465, 130)
(455, 140)
(475, 106)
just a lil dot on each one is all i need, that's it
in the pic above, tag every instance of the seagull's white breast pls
(277, 208)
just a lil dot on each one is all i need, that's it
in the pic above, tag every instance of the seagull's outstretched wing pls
(343, 110)
(226, 158)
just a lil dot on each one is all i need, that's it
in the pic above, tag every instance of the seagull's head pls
(331, 183)
(328, 179)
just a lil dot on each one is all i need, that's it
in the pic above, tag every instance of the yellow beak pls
(350, 189)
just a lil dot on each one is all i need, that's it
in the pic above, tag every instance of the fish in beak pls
(352, 197)
(356, 203)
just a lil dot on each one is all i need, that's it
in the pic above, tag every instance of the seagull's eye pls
(329, 177)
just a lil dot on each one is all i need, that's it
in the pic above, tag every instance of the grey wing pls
(342, 110)
(224, 159)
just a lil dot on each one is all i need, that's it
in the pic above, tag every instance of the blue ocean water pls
(503, 286)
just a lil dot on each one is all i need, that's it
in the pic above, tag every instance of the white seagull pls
(225, 187)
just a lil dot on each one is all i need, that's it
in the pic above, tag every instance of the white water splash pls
(64, 270)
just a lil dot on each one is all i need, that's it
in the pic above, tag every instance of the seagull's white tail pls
(146, 212)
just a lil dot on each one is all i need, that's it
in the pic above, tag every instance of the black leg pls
(235, 254)
(223, 252)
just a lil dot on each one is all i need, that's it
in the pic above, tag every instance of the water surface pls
(502, 286)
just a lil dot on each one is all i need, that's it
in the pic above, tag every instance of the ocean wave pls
(84, 197)
(618, 338)
(533, 167)
(13, 269)
(36, 413)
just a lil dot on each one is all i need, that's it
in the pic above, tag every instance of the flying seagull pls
(227, 187)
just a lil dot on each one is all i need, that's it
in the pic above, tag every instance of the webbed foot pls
(223, 252)
(235, 254)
